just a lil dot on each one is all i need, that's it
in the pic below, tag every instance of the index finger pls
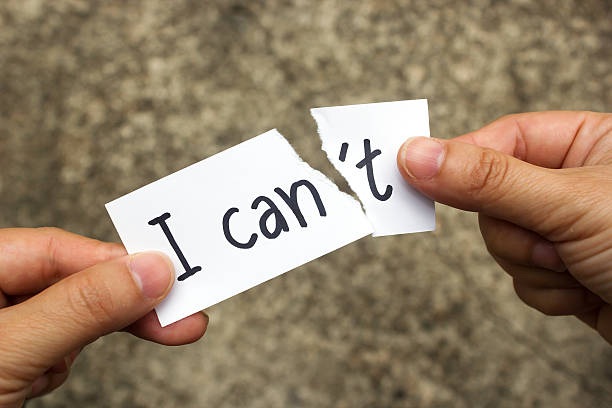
(31, 259)
(555, 139)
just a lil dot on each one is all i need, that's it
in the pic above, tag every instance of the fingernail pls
(153, 272)
(422, 157)
(545, 255)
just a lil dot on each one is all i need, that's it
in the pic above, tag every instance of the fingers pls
(54, 377)
(33, 259)
(557, 302)
(538, 277)
(104, 298)
(547, 139)
(47, 383)
(484, 180)
(517, 245)
(185, 331)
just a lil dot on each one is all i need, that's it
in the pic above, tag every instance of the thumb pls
(472, 178)
(80, 308)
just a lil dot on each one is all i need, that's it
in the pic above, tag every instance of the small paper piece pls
(235, 220)
(362, 142)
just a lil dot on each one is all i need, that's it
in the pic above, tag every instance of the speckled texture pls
(100, 97)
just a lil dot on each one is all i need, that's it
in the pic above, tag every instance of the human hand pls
(60, 291)
(542, 185)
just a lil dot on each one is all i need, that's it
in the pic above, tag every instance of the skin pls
(60, 291)
(541, 183)
(542, 186)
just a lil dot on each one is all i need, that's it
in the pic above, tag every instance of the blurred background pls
(98, 98)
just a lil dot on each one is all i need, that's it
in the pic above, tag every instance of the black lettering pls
(367, 162)
(228, 234)
(189, 271)
(292, 199)
(343, 150)
(281, 222)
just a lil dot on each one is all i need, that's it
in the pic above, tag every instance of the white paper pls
(396, 209)
(198, 197)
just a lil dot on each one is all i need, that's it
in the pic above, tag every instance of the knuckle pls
(110, 250)
(49, 266)
(50, 230)
(91, 301)
(51, 271)
(507, 117)
(488, 175)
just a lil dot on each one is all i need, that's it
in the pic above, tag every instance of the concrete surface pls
(100, 97)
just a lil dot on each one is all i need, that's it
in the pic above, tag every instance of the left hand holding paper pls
(60, 291)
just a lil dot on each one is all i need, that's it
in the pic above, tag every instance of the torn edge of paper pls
(411, 200)
(350, 200)
(323, 127)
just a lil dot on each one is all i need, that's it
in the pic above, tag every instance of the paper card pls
(362, 142)
(235, 220)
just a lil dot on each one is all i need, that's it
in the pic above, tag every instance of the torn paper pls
(362, 142)
(235, 220)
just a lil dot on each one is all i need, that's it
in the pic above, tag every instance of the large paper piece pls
(362, 142)
(235, 220)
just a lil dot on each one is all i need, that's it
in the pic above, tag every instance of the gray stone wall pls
(100, 97)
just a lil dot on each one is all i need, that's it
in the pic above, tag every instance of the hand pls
(60, 291)
(542, 185)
